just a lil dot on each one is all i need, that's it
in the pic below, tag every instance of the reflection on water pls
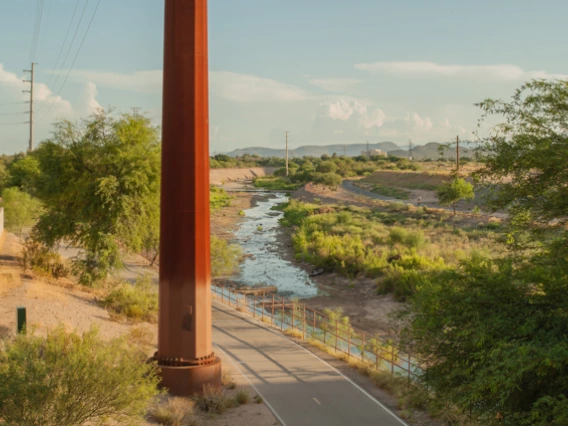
(266, 267)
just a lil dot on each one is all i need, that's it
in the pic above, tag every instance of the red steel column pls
(185, 352)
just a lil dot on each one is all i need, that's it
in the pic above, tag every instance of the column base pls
(189, 380)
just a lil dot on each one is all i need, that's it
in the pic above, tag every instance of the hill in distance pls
(419, 152)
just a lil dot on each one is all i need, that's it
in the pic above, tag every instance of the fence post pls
(392, 359)
(408, 365)
(293, 318)
(314, 327)
(377, 356)
(363, 349)
(304, 325)
(254, 308)
(222, 294)
(237, 299)
(272, 317)
(282, 322)
(336, 335)
(348, 343)
(262, 312)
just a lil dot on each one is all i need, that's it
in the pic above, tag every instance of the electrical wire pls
(12, 113)
(74, 59)
(37, 30)
(63, 45)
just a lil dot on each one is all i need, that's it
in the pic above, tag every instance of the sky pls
(328, 71)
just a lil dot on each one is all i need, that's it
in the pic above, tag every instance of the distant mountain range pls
(419, 152)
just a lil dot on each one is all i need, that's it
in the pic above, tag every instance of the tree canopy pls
(20, 209)
(526, 159)
(492, 334)
(100, 182)
(452, 192)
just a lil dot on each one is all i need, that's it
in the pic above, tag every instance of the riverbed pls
(264, 264)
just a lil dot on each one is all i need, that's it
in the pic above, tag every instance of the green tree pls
(493, 332)
(329, 180)
(100, 184)
(525, 160)
(24, 173)
(452, 192)
(493, 335)
(225, 257)
(326, 167)
(4, 175)
(21, 210)
(71, 380)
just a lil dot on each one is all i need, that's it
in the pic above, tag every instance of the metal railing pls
(331, 330)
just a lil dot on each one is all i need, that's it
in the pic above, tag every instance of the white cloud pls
(419, 123)
(247, 88)
(344, 109)
(499, 72)
(335, 84)
(89, 98)
(228, 85)
(149, 82)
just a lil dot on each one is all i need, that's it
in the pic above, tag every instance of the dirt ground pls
(221, 176)
(51, 304)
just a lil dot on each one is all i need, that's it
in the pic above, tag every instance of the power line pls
(70, 46)
(13, 103)
(74, 59)
(63, 45)
(12, 113)
(37, 30)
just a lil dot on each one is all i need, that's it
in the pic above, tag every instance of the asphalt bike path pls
(298, 387)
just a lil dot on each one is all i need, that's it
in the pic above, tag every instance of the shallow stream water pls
(257, 235)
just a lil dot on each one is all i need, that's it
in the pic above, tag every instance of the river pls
(257, 234)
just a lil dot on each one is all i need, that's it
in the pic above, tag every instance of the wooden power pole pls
(185, 353)
(287, 152)
(457, 153)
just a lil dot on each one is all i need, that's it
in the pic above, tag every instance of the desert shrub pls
(218, 198)
(401, 282)
(415, 240)
(137, 302)
(68, 379)
(397, 235)
(242, 397)
(225, 257)
(228, 380)
(174, 412)
(212, 400)
(41, 259)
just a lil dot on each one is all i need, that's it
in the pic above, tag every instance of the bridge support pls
(185, 353)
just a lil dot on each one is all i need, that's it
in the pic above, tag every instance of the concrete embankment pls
(221, 176)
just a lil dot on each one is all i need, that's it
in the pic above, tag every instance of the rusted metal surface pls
(184, 330)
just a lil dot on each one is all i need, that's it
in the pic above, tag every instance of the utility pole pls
(31, 92)
(185, 353)
(135, 111)
(410, 149)
(287, 152)
(457, 153)
(368, 150)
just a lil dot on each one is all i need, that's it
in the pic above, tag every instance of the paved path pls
(300, 388)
